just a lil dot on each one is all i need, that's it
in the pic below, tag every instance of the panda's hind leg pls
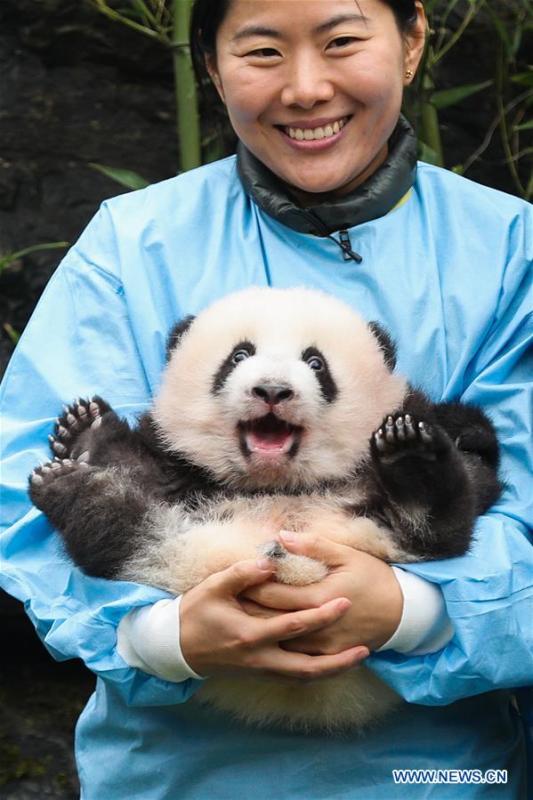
(98, 511)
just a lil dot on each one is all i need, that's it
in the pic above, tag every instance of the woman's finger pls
(318, 547)
(284, 597)
(257, 609)
(308, 668)
(240, 576)
(298, 623)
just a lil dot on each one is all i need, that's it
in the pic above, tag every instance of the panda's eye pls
(240, 355)
(315, 363)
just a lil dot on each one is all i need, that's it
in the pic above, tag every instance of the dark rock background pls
(74, 89)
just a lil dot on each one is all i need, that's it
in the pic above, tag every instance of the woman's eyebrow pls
(340, 19)
(261, 30)
(255, 30)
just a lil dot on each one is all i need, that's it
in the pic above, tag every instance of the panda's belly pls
(355, 699)
(191, 547)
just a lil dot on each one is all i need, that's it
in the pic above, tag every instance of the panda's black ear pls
(177, 332)
(386, 344)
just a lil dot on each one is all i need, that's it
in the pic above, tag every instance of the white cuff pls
(149, 638)
(425, 626)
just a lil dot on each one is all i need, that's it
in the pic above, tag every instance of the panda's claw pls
(410, 428)
(272, 549)
(390, 434)
(402, 435)
(425, 433)
(58, 448)
(36, 479)
(400, 429)
(94, 409)
(379, 440)
(81, 410)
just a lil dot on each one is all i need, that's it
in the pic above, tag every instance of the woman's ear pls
(211, 67)
(415, 40)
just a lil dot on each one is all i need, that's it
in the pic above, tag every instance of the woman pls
(324, 191)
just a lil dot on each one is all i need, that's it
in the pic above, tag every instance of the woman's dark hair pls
(208, 15)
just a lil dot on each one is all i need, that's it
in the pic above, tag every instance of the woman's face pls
(313, 88)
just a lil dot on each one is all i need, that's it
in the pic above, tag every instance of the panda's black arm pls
(474, 436)
(436, 465)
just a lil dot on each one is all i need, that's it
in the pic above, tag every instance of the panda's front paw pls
(403, 435)
(77, 418)
(292, 569)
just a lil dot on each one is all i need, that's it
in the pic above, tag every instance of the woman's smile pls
(312, 135)
(314, 89)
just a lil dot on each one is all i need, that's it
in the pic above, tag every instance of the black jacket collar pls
(372, 199)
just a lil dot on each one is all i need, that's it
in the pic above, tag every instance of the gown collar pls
(372, 199)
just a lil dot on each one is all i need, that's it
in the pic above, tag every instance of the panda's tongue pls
(269, 435)
(269, 441)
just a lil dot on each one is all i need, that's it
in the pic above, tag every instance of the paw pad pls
(46, 473)
(76, 418)
(402, 433)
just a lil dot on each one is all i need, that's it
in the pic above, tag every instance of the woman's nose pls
(307, 83)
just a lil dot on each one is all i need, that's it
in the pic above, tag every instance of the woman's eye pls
(342, 41)
(315, 363)
(240, 355)
(264, 52)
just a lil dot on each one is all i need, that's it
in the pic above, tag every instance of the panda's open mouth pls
(269, 436)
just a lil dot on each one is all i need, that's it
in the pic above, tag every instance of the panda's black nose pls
(272, 394)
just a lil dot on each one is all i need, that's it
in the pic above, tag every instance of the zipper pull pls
(347, 253)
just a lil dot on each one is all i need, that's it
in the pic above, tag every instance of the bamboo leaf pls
(9, 258)
(523, 78)
(125, 177)
(426, 153)
(11, 332)
(525, 126)
(450, 97)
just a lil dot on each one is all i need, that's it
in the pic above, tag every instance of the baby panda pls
(278, 409)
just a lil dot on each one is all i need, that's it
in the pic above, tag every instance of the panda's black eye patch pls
(239, 353)
(317, 362)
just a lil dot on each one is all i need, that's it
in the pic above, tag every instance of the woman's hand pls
(369, 583)
(217, 635)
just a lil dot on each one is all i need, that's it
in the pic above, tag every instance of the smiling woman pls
(324, 191)
(316, 101)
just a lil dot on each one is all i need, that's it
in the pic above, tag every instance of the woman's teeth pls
(309, 134)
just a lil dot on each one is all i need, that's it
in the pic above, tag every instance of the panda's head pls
(276, 388)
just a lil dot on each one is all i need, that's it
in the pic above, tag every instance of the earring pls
(408, 74)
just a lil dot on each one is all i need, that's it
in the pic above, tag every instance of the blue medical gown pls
(447, 271)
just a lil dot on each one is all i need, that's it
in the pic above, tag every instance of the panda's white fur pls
(282, 323)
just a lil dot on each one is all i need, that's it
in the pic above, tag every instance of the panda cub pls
(278, 409)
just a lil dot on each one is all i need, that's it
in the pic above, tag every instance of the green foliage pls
(125, 177)
(167, 21)
(507, 23)
(8, 259)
